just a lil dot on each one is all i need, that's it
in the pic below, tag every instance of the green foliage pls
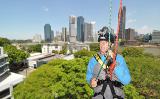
(64, 50)
(83, 53)
(143, 68)
(66, 79)
(122, 42)
(132, 51)
(57, 79)
(34, 48)
(15, 55)
(94, 47)
(55, 52)
(21, 41)
(131, 92)
(145, 75)
(4, 41)
(149, 55)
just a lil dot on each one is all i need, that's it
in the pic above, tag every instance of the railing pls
(4, 72)
(4, 63)
(3, 68)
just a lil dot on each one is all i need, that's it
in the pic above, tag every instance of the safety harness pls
(107, 81)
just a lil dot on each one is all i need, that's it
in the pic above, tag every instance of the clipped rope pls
(110, 21)
(116, 47)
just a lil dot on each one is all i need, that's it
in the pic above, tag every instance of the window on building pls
(4, 93)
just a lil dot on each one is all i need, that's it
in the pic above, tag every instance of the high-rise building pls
(89, 32)
(58, 36)
(64, 34)
(37, 38)
(121, 34)
(52, 35)
(124, 21)
(72, 28)
(80, 29)
(93, 31)
(155, 36)
(130, 34)
(48, 33)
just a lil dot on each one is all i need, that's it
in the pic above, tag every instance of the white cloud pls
(130, 21)
(144, 30)
(45, 9)
(130, 14)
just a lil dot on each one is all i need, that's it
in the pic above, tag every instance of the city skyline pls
(23, 19)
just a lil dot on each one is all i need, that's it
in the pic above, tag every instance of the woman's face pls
(103, 47)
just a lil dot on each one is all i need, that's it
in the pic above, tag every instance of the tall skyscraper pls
(80, 29)
(93, 31)
(64, 34)
(58, 36)
(52, 35)
(72, 28)
(37, 38)
(48, 33)
(89, 32)
(121, 34)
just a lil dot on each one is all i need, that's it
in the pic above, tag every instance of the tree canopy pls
(4, 41)
(15, 57)
(34, 48)
(84, 53)
(58, 78)
(66, 79)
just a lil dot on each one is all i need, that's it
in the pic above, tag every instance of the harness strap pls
(113, 91)
(111, 84)
(96, 94)
(115, 83)
(104, 88)
(98, 59)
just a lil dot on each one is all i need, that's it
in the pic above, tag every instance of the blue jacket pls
(121, 70)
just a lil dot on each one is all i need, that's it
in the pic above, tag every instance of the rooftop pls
(12, 79)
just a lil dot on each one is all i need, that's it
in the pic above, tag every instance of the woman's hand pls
(93, 82)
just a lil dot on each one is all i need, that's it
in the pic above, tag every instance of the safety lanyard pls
(102, 63)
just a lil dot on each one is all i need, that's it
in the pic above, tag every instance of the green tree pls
(34, 48)
(15, 57)
(66, 79)
(143, 69)
(132, 51)
(84, 53)
(131, 92)
(145, 75)
(4, 41)
(55, 52)
(64, 49)
(94, 47)
(57, 79)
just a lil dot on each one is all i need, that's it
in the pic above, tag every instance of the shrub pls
(84, 53)
(94, 47)
(57, 79)
(132, 51)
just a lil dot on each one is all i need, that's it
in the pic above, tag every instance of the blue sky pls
(21, 19)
